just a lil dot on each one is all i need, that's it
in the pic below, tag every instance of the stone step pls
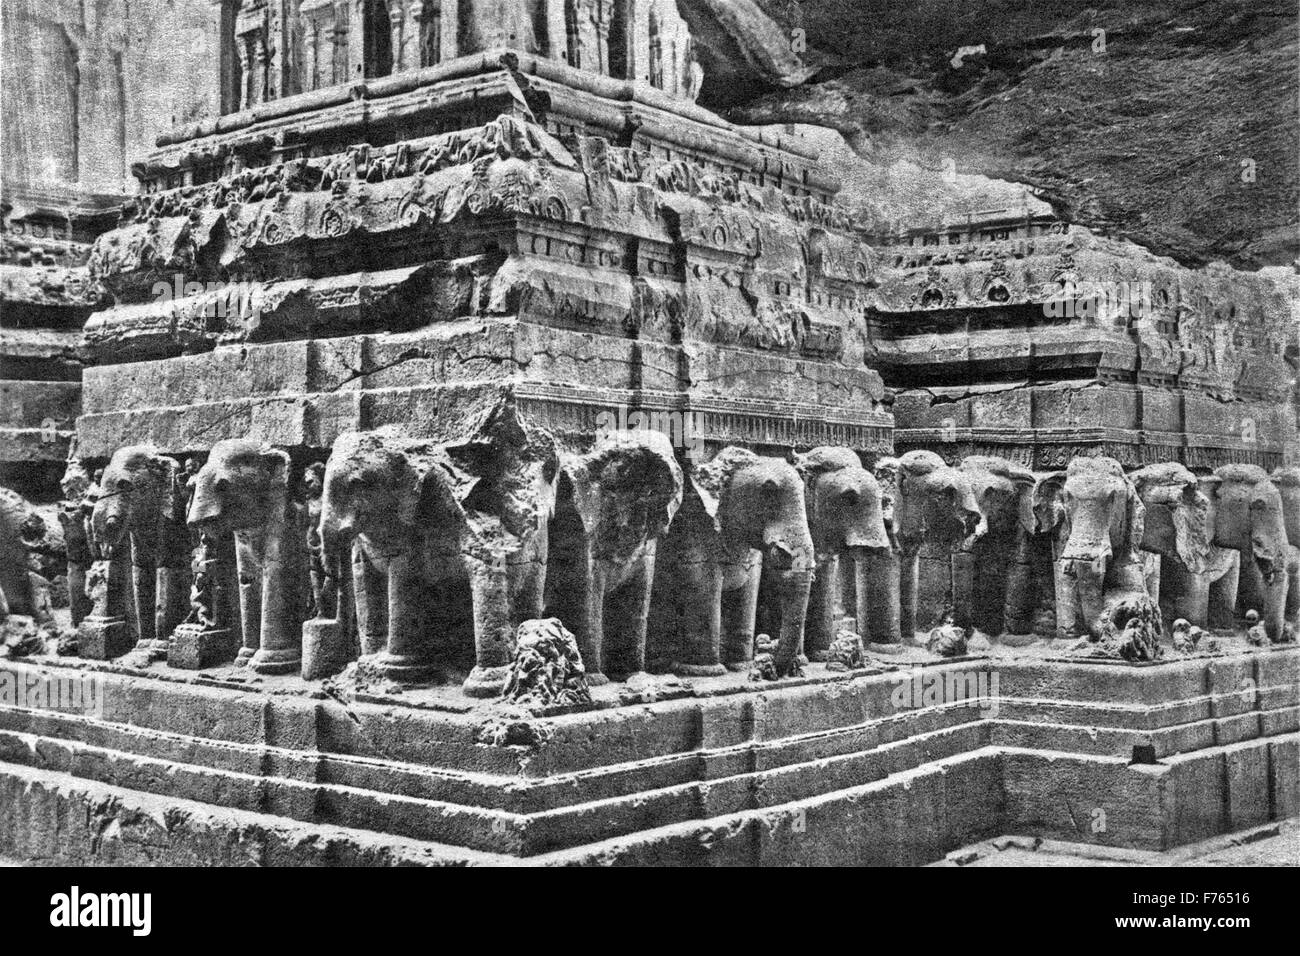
(643, 802)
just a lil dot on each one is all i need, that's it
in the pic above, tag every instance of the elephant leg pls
(1190, 598)
(173, 599)
(144, 587)
(407, 658)
(823, 608)
(370, 593)
(249, 569)
(591, 624)
(962, 573)
(699, 616)
(1020, 590)
(1273, 614)
(878, 597)
(793, 588)
(739, 608)
(629, 609)
(528, 580)
(908, 582)
(1090, 582)
(78, 601)
(1069, 618)
(280, 645)
(1221, 601)
(848, 590)
(1251, 590)
(493, 634)
(1151, 574)
(1292, 594)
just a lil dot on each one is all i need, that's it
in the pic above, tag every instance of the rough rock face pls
(1146, 139)
(88, 87)
(547, 669)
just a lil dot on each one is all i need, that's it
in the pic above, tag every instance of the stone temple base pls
(834, 768)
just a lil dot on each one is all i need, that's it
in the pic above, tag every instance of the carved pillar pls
(209, 636)
(311, 43)
(340, 56)
(397, 33)
(106, 632)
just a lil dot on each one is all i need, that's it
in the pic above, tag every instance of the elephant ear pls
(711, 498)
(1134, 526)
(1045, 502)
(1193, 535)
(1025, 482)
(276, 464)
(586, 492)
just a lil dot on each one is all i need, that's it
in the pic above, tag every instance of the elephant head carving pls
(239, 487)
(243, 490)
(137, 496)
(1250, 518)
(992, 582)
(742, 528)
(935, 502)
(626, 491)
(430, 518)
(756, 504)
(847, 522)
(140, 505)
(843, 502)
(926, 502)
(1004, 493)
(375, 489)
(1177, 514)
(1097, 511)
(1097, 518)
(624, 494)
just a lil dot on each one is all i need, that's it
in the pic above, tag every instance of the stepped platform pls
(898, 764)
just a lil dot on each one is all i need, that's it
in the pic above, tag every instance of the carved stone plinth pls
(104, 638)
(327, 647)
(194, 647)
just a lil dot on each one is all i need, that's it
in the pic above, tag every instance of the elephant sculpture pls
(139, 508)
(22, 591)
(993, 571)
(1287, 481)
(742, 515)
(616, 502)
(73, 515)
(929, 503)
(243, 490)
(1097, 518)
(439, 525)
(1195, 580)
(846, 520)
(1250, 519)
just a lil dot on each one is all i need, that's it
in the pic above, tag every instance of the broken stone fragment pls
(947, 640)
(547, 669)
(846, 652)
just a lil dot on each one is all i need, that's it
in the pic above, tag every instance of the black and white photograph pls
(649, 433)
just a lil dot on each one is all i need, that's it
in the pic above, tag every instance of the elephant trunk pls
(793, 587)
(1089, 578)
(205, 511)
(1270, 561)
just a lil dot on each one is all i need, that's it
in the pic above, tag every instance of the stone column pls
(397, 29)
(208, 637)
(106, 633)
